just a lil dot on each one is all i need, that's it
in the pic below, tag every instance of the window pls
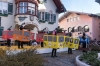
(47, 16)
(74, 18)
(86, 28)
(27, 8)
(79, 28)
(3, 8)
(23, 7)
(69, 29)
(71, 19)
(78, 18)
(42, 15)
(31, 8)
(67, 20)
(45, 1)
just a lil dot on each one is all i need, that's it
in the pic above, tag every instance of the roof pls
(59, 5)
(69, 12)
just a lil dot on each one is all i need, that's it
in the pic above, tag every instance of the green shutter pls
(1, 30)
(38, 14)
(10, 8)
(54, 17)
(46, 16)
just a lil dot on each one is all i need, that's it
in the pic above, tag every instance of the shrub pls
(27, 58)
(90, 58)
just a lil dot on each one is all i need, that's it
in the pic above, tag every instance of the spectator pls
(9, 42)
(95, 40)
(85, 42)
(70, 49)
(34, 43)
(54, 50)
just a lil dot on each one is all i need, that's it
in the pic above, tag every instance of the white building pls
(14, 12)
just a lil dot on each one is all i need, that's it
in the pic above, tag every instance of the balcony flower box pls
(42, 21)
(50, 22)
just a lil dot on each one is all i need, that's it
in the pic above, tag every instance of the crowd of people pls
(84, 41)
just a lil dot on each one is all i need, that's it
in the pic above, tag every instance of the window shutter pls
(38, 14)
(10, 8)
(54, 17)
(1, 30)
(46, 16)
(0, 21)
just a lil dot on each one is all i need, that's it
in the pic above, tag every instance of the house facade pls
(79, 22)
(30, 12)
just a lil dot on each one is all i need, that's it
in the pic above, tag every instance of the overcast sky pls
(88, 6)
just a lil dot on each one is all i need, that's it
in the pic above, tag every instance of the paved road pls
(62, 59)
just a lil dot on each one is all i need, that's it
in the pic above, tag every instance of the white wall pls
(8, 21)
(50, 6)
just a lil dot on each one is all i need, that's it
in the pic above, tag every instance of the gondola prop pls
(21, 35)
(45, 40)
(50, 41)
(7, 34)
(76, 43)
(17, 34)
(67, 41)
(58, 41)
(39, 37)
(71, 43)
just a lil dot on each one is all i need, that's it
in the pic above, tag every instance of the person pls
(54, 50)
(95, 41)
(8, 42)
(84, 41)
(19, 42)
(34, 43)
(70, 49)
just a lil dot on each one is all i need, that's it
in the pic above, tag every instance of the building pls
(78, 22)
(36, 14)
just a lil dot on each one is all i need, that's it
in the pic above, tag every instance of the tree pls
(98, 1)
(98, 14)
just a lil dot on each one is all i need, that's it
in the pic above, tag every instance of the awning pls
(41, 7)
(75, 27)
(86, 27)
(70, 29)
(30, 26)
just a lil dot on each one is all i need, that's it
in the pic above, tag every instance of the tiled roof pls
(69, 12)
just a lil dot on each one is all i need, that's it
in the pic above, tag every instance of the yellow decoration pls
(71, 43)
(45, 39)
(76, 43)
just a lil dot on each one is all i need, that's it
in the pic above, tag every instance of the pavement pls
(62, 59)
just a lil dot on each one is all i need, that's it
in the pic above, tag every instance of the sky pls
(88, 6)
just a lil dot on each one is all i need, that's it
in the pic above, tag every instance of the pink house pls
(78, 22)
